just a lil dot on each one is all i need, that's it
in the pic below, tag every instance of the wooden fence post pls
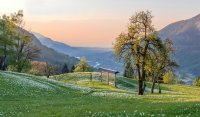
(91, 76)
(108, 78)
(115, 81)
(101, 77)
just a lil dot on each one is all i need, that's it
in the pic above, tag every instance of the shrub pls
(197, 81)
(22, 66)
(11, 68)
(169, 78)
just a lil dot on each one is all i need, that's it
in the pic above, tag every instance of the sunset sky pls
(94, 23)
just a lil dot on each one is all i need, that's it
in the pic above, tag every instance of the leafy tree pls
(15, 44)
(137, 43)
(65, 68)
(144, 49)
(197, 81)
(82, 66)
(24, 50)
(160, 62)
(7, 31)
(38, 68)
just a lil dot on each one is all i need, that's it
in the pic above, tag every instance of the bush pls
(11, 68)
(22, 66)
(169, 78)
(197, 81)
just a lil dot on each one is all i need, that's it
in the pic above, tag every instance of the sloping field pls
(76, 95)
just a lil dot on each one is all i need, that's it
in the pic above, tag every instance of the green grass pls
(75, 95)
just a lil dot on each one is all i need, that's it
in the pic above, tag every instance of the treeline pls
(44, 69)
(146, 57)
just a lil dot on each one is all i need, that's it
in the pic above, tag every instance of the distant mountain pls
(97, 57)
(51, 56)
(50, 43)
(185, 35)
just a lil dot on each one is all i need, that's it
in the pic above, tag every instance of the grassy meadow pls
(75, 94)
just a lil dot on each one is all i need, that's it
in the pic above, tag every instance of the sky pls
(94, 23)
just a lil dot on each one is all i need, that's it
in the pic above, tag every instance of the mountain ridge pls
(185, 35)
(48, 54)
(97, 57)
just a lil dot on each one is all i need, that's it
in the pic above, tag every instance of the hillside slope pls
(186, 37)
(51, 56)
(97, 57)
(26, 95)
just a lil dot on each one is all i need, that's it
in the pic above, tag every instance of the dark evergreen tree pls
(65, 68)
(72, 68)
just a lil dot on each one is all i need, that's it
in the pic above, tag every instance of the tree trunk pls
(159, 89)
(153, 86)
(140, 87)
(3, 65)
(143, 87)
(143, 79)
(140, 81)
